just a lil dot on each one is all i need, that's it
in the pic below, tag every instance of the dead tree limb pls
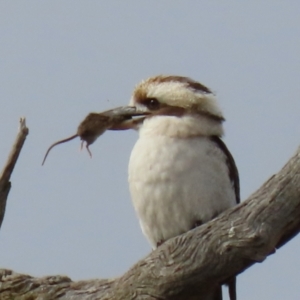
(5, 183)
(191, 264)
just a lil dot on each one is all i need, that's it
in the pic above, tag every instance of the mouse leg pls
(88, 150)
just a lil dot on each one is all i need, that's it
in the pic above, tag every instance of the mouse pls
(95, 124)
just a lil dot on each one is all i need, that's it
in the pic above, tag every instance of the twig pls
(5, 183)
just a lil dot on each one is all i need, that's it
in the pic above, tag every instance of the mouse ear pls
(57, 143)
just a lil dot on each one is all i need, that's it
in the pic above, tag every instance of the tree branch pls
(194, 263)
(5, 183)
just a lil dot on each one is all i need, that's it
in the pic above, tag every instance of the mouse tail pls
(57, 143)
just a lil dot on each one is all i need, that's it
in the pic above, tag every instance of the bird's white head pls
(178, 107)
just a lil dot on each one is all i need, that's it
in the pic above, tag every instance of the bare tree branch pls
(9, 167)
(191, 265)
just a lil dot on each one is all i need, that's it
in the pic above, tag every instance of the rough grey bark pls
(5, 183)
(194, 263)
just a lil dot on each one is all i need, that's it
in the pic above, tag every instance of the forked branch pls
(191, 265)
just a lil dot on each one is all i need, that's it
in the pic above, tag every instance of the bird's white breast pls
(177, 182)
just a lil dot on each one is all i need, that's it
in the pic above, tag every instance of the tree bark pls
(194, 263)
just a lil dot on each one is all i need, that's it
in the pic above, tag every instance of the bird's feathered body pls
(176, 183)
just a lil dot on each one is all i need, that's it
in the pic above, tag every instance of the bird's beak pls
(132, 117)
(125, 117)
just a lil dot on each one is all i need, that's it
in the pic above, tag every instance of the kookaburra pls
(181, 173)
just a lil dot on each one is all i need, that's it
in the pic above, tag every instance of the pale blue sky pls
(63, 59)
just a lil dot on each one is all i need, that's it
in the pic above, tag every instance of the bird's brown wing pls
(232, 169)
(234, 177)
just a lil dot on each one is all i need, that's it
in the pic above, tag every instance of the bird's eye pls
(152, 103)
